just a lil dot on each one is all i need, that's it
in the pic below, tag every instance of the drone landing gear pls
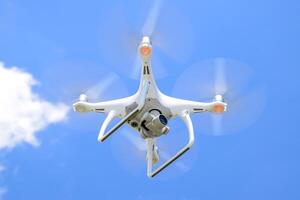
(103, 136)
(152, 155)
(112, 114)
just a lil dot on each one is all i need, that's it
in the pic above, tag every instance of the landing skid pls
(151, 148)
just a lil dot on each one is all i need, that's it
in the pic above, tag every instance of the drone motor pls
(83, 98)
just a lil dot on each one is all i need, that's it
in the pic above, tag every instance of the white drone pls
(148, 112)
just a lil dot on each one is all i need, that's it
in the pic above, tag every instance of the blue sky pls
(59, 44)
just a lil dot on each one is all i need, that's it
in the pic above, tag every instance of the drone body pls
(148, 111)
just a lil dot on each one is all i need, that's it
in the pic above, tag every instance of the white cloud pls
(22, 112)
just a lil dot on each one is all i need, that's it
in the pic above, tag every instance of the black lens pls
(163, 119)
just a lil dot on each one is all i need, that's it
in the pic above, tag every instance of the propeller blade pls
(175, 41)
(220, 79)
(151, 20)
(119, 37)
(98, 83)
(239, 86)
(104, 89)
(96, 91)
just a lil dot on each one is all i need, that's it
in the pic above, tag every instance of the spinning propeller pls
(90, 83)
(228, 79)
(152, 19)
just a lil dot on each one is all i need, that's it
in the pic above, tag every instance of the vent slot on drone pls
(100, 110)
(198, 110)
(146, 70)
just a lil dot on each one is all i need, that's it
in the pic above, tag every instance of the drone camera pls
(156, 124)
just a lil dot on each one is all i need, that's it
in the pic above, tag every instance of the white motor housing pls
(219, 97)
(83, 98)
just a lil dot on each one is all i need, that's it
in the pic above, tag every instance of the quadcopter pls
(148, 112)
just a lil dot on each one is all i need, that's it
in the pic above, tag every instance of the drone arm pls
(101, 107)
(198, 107)
(188, 122)
(102, 135)
(177, 106)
